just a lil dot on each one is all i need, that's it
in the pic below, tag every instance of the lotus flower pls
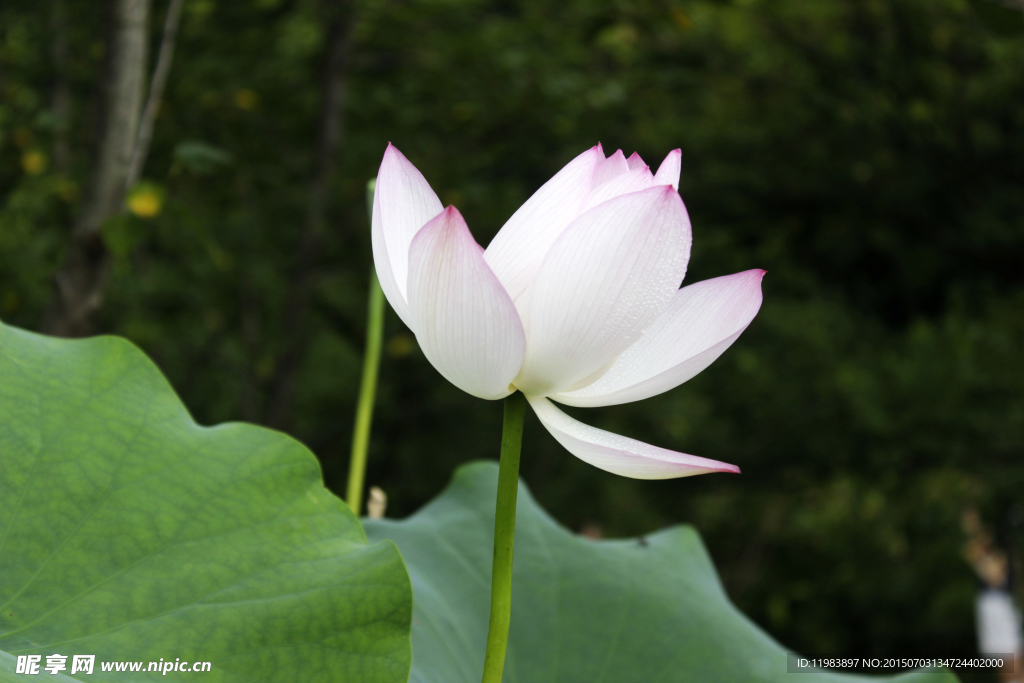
(576, 300)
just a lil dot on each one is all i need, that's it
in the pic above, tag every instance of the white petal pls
(464, 320)
(619, 454)
(402, 203)
(606, 280)
(613, 166)
(668, 172)
(703, 320)
(635, 161)
(625, 183)
(516, 252)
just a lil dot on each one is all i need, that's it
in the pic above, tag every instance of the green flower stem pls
(367, 392)
(504, 537)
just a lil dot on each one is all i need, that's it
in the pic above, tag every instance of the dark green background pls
(869, 154)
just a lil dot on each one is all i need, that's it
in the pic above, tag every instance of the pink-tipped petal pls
(516, 252)
(626, 183)
(619, 454)
(634, 162)
(605, 281)
(668, 172)
(611, 167)
(703, 320)
(402, 203)
(465, 321)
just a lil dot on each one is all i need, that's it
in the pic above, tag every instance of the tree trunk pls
(332, 106)
(79, 282)
(156, 93)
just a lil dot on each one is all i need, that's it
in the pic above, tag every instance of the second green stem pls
(504, 537)
(367, 392)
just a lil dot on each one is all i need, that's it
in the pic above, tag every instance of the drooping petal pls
(626, 183)
(619, 454)
(518, 249)
(402, 204)
(465, 321)
(668, 172)
(635, 161)
(604, 282)
(703, 320)
(611, 167)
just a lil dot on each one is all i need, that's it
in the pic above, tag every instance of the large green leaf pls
(129, 532)
(650, 610)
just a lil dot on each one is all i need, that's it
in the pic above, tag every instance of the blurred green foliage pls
(869, 154)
